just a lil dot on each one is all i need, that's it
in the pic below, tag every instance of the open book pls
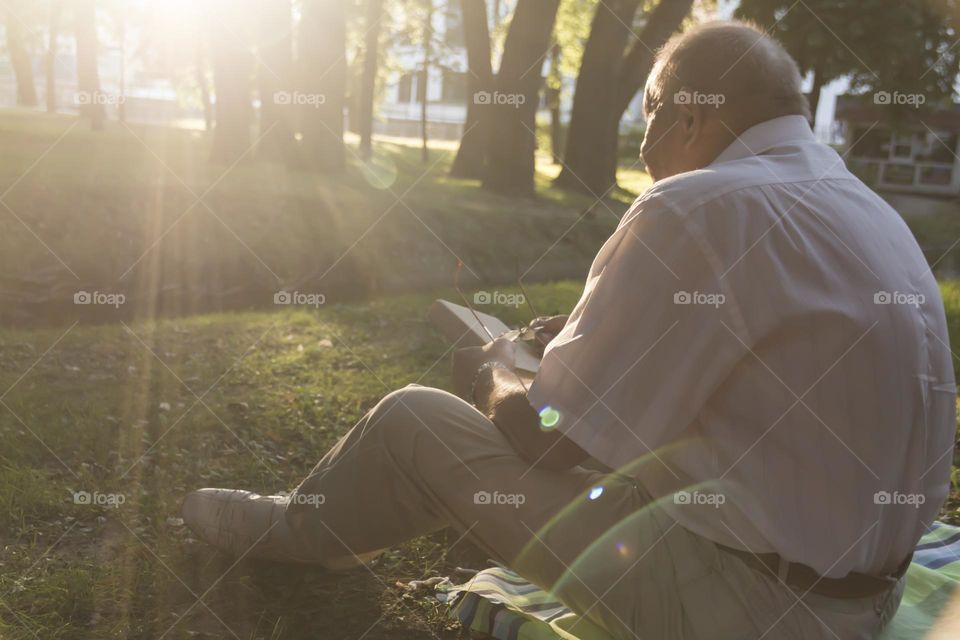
(461, 326)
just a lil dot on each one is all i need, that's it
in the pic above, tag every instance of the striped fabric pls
(497, 603)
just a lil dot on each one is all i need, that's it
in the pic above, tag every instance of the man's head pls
(710, 84)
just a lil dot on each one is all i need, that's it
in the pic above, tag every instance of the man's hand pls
(502, 396)
(466, 363)
(546, 328)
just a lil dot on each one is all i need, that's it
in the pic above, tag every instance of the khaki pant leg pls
(423, 459)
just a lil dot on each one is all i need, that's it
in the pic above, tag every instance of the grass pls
(113, 409)
(139, 210)
(937, 234)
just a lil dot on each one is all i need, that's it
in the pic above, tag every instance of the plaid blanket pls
(497, 603)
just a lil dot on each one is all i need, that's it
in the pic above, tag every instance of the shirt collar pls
(766, 135)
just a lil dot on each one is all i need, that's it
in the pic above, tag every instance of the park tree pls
(200, 68)
(232, 79)
(121, 25)
(323, 78)
(470, 160)
(88, 75)
(427, 28)
(552, 97)
(50, 57)
(903, 46)
(570, 35)
(368, 80)
(570, 32)
(610, 75)
(14, 23)
(423, 93)
(512, 136)
(178, 47)
(275, 82)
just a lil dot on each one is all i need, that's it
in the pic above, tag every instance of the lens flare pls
(380, 171)
(549, 417)
(595, 493)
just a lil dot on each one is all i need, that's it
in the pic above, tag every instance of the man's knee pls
(405, 411)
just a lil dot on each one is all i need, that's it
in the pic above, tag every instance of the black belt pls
(803, 578)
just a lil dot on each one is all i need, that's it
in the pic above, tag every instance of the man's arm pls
(499, 394)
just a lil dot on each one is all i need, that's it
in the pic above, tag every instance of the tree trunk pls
(511, 159)
(88, 76)
(324, 77)
(232, 66)
(553, 102)
(122, 98)
(20, 59)
(275, 81)
(423, 89)
(593, 102)
(202, 82)
(51, 57)
(471, 155)
(368, 82)
(591, 152)
(665, 20)
(815, 90)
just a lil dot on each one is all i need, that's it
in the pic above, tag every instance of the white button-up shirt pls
(762, 345)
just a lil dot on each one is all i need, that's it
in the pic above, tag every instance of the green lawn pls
(114, 409)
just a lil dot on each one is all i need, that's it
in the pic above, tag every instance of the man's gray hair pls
(729, 64)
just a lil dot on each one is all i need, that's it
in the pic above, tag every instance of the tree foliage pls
(904, 46)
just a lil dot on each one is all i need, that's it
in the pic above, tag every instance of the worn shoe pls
(246, 524)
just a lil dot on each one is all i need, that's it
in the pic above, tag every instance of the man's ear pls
(690, 122)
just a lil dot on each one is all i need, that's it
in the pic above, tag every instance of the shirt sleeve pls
(651, 339)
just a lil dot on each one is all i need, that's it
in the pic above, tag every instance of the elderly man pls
(760, 357)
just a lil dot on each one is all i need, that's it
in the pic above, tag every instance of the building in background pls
(918, 153)
(446, 90)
